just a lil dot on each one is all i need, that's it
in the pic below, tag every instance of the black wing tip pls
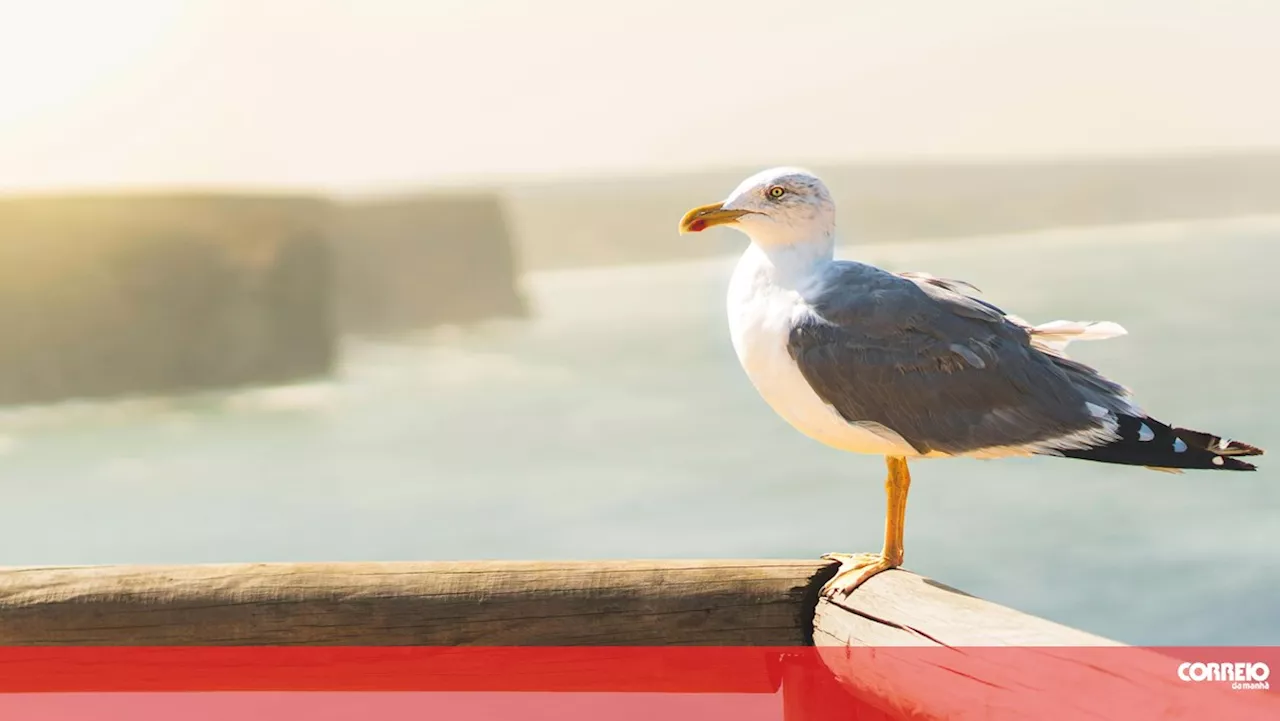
(1144, 441)
(1222, 453)
(1233, 464)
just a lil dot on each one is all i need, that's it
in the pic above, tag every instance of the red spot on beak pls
(698, 226)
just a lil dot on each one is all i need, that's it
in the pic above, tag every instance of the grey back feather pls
(945, 371)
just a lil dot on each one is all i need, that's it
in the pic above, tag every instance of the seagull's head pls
(780, 205)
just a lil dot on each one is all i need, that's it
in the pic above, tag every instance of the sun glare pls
(58, 54)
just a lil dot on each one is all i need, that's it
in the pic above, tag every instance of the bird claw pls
(855, 569)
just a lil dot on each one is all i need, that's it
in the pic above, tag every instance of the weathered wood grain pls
(917, 649)
(903, 609)
(611, 603)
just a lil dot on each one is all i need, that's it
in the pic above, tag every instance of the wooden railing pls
(896, 615)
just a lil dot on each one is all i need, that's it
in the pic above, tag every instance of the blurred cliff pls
(104, 296)
(108, 296)
(419, 261)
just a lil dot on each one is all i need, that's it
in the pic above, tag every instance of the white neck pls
(791, 264)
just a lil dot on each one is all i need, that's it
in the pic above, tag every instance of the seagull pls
(908, 365)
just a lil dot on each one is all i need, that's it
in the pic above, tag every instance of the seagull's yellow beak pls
(699, 219)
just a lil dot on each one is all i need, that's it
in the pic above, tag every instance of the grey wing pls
(945, 371)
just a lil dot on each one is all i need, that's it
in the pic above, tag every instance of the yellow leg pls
(855, 569)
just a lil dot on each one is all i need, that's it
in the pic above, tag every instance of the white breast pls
(761, 315)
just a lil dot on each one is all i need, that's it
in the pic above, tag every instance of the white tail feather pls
(1057, 334)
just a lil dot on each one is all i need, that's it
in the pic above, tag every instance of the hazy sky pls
(351, 94)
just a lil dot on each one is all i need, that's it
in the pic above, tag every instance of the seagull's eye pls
(777, 191)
